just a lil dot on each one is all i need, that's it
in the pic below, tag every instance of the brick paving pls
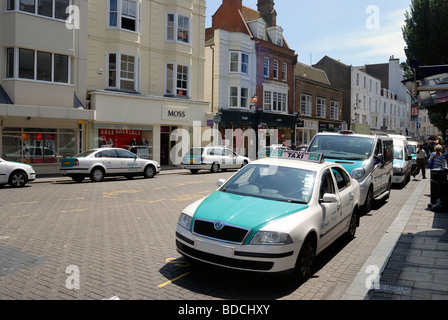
(120, 234)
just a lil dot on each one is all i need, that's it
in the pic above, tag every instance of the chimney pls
(266, 8)
(233, 4)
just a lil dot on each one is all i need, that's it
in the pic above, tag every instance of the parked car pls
(266, 152)
(213, 159)
(273, 215)
(15, 174)
(98, 163)
(413, 146)
(368, 158)
(402, 160)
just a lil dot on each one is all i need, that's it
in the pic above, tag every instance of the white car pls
(98, 163)
(16, 174)
(213, 159)
(273, 215)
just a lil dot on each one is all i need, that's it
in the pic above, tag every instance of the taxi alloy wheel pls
(97, 175)
(305, 260)
(352, 227)
(17, 179)
(369, 201)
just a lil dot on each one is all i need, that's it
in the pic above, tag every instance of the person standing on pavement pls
(438, 159)
(421, 162)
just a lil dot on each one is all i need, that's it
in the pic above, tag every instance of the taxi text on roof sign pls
(298, 155)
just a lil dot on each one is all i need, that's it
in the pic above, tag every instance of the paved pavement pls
(411, 260)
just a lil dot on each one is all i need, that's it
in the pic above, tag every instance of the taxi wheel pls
(352, 227)
(305, 260)
(214, 168)
(97, 175)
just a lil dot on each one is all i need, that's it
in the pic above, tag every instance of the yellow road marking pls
(172, 280)
(148, 201)
(70, 199)
(74, 210)
(23, 216)
(160, 188)
(17, 203)
(112, 195)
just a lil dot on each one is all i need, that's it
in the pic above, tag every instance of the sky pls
(355, 32)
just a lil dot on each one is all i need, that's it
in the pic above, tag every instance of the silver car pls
(213, 159)
(98, 163)
(15, 174)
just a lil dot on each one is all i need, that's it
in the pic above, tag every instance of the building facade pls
(43, 81)
(272, 102)
(145, 77)
(318, 103)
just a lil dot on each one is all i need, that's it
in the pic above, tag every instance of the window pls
(275, 69)
(234, 61)
(26, 64)
(177, 80)
(241, 95)
(47, 8)
(28, 6)
(334, 110)
(321, 108)
(284, 71)
(266, 68)
(275, 101)
(267, 100)
(178, 28)
(123, 72)
(305, 104)
(48, 67)
(233, 97)
(10, 63)
(125, 14)
(239, 62)
(44, 67)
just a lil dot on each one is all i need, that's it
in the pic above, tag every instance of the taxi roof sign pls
(298, 155)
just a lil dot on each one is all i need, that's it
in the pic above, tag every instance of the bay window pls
(177, 80)
(178, 28)
(55, 9)
(123, 72)
(125, 14)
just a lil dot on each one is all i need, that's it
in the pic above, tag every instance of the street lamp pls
(253, 102)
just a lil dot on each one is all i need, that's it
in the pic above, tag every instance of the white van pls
(368, 159)
(402, 160)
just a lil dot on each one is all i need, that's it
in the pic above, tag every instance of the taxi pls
(16, 174)
(275, 214)
(101, 162)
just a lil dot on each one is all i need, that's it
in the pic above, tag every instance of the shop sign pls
(174, 112)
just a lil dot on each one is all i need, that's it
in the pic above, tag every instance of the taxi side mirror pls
(329, 197)
(220, 182)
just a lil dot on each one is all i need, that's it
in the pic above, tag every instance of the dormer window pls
(258, 28)
(276, 35)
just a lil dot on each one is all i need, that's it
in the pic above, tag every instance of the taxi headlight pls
(271, 238)
(398, 170)
(358, 173)
(184, 221)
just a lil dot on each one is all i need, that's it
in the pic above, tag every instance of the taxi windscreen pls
(343, 147)
(273, 183)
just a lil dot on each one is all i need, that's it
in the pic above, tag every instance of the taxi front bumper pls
(256, 258)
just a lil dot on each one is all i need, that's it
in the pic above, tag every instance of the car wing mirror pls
(220, 182)
(329, 198)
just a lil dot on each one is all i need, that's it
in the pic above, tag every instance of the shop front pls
(143, 124)
(35, 135)
(283, 125)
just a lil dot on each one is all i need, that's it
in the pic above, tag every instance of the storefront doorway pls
(166, 144)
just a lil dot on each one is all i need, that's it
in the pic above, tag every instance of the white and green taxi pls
(275, 214)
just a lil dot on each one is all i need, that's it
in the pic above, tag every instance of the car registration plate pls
(67, 163)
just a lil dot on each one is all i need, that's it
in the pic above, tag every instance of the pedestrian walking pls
(437, 160)
(421, 162)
